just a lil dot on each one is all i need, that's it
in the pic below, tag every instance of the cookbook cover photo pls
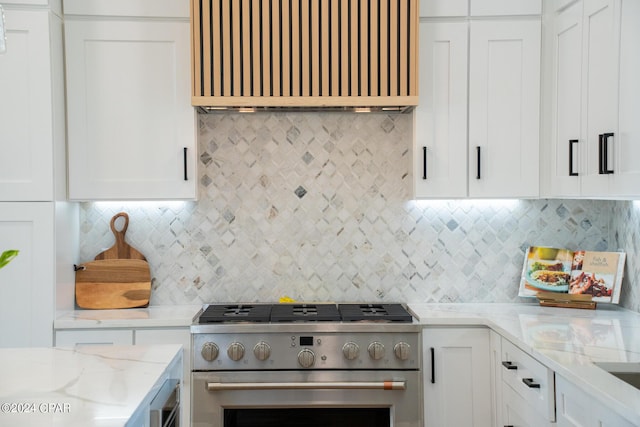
(598, 274)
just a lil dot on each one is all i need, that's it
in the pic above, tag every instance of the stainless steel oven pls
(307, 373)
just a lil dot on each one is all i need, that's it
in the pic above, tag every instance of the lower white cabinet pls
(27, 283)
(575, 408)
(457, 380)
(524, 388)
(138, 336)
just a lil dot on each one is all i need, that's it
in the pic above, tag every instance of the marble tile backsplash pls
(317, 206)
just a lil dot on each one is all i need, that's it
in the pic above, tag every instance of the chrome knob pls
(209, 351)
(262, 351)
(350, 350)
(235, 351)
(402, 350)
(376, 350)
(306, 358)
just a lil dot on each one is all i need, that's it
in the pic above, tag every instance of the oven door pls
(306, 398)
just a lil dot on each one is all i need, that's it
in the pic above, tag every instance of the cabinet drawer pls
(529, 378)
(516, 411)
(93, 337)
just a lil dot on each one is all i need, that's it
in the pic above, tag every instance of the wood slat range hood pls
(351, 55)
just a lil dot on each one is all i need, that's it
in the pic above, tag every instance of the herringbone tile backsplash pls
(317, 206)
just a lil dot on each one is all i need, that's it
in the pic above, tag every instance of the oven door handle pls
(361, 385)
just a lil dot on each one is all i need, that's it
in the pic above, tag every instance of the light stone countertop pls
(568, 341)
(101, 386)
(149, 317)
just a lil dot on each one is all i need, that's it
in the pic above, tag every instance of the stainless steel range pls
(284, 365)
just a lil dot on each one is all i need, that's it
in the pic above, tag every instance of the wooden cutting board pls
(113, 283)
(121, 249)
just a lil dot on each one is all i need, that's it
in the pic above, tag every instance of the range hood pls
(304, 55)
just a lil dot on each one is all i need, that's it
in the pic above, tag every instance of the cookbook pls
(594, 273)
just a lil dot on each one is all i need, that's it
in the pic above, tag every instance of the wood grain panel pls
(306, 49)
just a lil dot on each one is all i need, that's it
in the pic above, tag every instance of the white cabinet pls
(457, 379)
(575, 408)
(27, 283)
(27, 125)
(526, 388)
(131, 126)
(479, 139)
(594, 101)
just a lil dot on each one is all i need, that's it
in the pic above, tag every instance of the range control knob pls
(209, 351)
(376, 350)
(235, 351)
(350, 350)
(306, 358)
(402, 350)
(262, 350)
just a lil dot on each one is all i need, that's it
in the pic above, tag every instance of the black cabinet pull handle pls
(530, 383)
(600, 153)
(571, 142)
(605, 153)
(478, 167)
(424, 162)
(509, 365)
(433, 366)
(184, 153)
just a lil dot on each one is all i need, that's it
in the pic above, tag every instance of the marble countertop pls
(99, 386)
(567, 341)
(149, 317)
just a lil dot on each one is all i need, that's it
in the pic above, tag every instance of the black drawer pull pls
(530, 383)
(433, 366)
(478, 175)
(509, 365)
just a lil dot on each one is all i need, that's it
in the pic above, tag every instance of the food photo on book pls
(563, 271)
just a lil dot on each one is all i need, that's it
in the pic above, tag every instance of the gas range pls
(343, 365)
(305, 336)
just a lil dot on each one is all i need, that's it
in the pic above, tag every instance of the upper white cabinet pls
(594, 100)
(481, 138)
(27, 125)
(457, 383)
(131, 126)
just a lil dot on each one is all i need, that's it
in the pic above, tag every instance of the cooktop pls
(322, 312)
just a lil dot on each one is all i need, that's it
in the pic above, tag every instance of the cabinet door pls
(599, 88)
(456, 366)
(626, 144)
(575, 408)
(27, 282)
(131, 125)
(562, 170)
(26, 135)
(504, 104)
(440, 150)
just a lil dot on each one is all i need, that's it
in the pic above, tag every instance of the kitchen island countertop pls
(568, 341)
(103, 386)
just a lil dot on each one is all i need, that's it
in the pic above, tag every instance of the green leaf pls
(7, 256)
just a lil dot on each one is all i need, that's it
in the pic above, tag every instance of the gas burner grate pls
(236, 313)
(305, 313)
(374, 312)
